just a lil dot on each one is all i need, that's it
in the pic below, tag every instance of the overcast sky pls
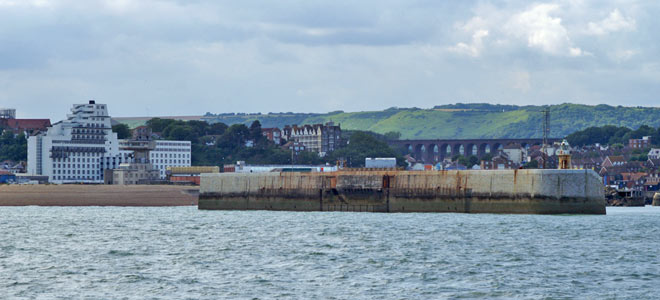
(189, 57)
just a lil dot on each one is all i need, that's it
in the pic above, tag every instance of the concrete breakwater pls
(97, 195)
(492, 191)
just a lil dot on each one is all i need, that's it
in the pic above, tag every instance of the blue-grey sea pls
(183, 253)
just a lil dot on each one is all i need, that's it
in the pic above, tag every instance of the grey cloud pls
(189, 57)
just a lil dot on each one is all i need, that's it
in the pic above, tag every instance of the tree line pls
(12, 147)
(612, 135)
(218, 144)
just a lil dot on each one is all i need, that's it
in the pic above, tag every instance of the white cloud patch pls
(543, 31)
(478, 29)
(475, 48)
(614, 22)
(623, 55)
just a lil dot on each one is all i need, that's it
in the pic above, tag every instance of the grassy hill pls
(465, 120)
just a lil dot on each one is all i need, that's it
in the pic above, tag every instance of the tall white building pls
(171, 154)
(73, 150)
(78, 149)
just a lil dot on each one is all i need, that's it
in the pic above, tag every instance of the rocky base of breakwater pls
(626, 202)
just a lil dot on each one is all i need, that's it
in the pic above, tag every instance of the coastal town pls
(482, 149)
(84, 149)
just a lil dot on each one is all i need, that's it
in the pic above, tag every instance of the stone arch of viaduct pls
(431, 151)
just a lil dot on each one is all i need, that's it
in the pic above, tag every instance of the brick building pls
(642, 143)
(273, 134)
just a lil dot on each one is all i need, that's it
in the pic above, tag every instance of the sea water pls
(183, 253)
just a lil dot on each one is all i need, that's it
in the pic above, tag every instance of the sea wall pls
(487, 191)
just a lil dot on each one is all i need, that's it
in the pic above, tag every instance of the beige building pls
(134, 173)
(514, 152)
(317, 138)
(139, 169)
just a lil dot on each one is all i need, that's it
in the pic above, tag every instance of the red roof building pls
(272, 134)
(29, 126)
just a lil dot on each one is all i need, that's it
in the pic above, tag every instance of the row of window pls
(85, 154)
(87, 137)
(78, 166)
(171, 161)
(75, 159)
(173, 143)
(158, 149)
(75, 130)
(170, 155)
(68, 177)
(88, 172)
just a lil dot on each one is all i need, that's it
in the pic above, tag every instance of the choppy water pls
(183, 253)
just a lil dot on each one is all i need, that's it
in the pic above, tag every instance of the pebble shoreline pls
(98, 195)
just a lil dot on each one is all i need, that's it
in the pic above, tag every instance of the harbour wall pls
(472, 191)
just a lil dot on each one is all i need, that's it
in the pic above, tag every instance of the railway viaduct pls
(431, 151)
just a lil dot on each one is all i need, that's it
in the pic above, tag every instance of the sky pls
(163, 58)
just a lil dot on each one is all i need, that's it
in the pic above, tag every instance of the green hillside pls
(464, 121)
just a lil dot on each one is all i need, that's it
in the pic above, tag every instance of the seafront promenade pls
(97, 195)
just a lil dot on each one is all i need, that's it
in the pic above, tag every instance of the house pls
(318, 138)
(613, 173)
(613, 160)
(12, 167)
(5, 165)
(653, 163)
(550, 162)
(499, 162)
(273, 134)
(654, 153)
(631, 180)
(652, 182)
(515, 152)
(586, 163)
(18, 168)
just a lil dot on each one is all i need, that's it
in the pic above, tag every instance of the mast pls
(546, 131)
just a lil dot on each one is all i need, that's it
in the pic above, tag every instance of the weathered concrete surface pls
(493, 191)
(97, 195)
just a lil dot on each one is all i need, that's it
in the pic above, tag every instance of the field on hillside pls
(463, 121)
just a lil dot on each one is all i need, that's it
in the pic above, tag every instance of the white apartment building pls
(72, 150)
(80, 148)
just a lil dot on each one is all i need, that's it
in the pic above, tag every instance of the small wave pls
(120, 253)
